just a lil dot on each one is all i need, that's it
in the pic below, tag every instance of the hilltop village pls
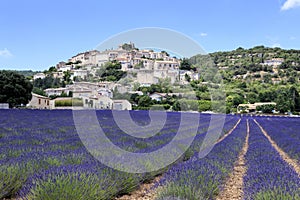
(94, 75)
(259, 79)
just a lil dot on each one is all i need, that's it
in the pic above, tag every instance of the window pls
(39, 101)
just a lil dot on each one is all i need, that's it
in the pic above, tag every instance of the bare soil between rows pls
(233, 188)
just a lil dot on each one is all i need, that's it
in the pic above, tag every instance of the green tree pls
(48, 82)
(144, 101)
(266, 108)
(128, 47)
(185, 64)
(187, 77)
(176, 106)
(14, 88)
(204, 105)
(166, 53)
(284, 100)
(67, 77)
(295, 99)
(111, 71)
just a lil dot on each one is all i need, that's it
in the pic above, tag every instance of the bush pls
(160, 107)
(68, 103)
(266, 108)
(204, 105)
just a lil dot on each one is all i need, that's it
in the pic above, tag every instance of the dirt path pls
(233, 189)
(284, 155)
(145, 191)
(229, 132)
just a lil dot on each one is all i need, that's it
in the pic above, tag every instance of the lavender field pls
(42, 157)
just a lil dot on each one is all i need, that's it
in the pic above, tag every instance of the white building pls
(275, 62)
(156, 96)
(60, 64)
(102, 58)
(146, 77)
(121, 105)
(105, 103)
(59, 75)
(125, 63)
(79, 92)
(166, 65)
(55, 91)
(105, 92)
(184, 73)
(78, 58)
(65, 68)
(92, 86)
(39, 75)
(80, 73)
(101, 102)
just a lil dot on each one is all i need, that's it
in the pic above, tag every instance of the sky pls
(37, 34)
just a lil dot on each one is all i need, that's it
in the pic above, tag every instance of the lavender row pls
(203, 178)
(43, 147)
(268, 175)
(285, 132)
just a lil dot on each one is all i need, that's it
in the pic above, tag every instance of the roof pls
(121, 101)
(62, 89)
(167, 94)
(39, 96)
(166, 61)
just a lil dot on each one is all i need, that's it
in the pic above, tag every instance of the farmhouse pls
(39, 102)
(106, 103)
(156, 96)
(102, 102)
(121, 105)
(252, 107)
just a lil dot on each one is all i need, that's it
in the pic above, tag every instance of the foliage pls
(14, 88)
(27, 73)
(204, 105)
(266, 108)
(39, 91)
(186, 65)
(68, 102)
(128, 47)
(48, 82)
(248, 79)
(111, 71)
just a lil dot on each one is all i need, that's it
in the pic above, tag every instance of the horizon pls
(38, 35)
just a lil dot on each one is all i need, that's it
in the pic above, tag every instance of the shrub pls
(68, 103)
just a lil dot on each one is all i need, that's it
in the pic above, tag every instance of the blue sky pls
(37, 34)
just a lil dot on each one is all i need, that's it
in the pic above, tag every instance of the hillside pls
(259, 74)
